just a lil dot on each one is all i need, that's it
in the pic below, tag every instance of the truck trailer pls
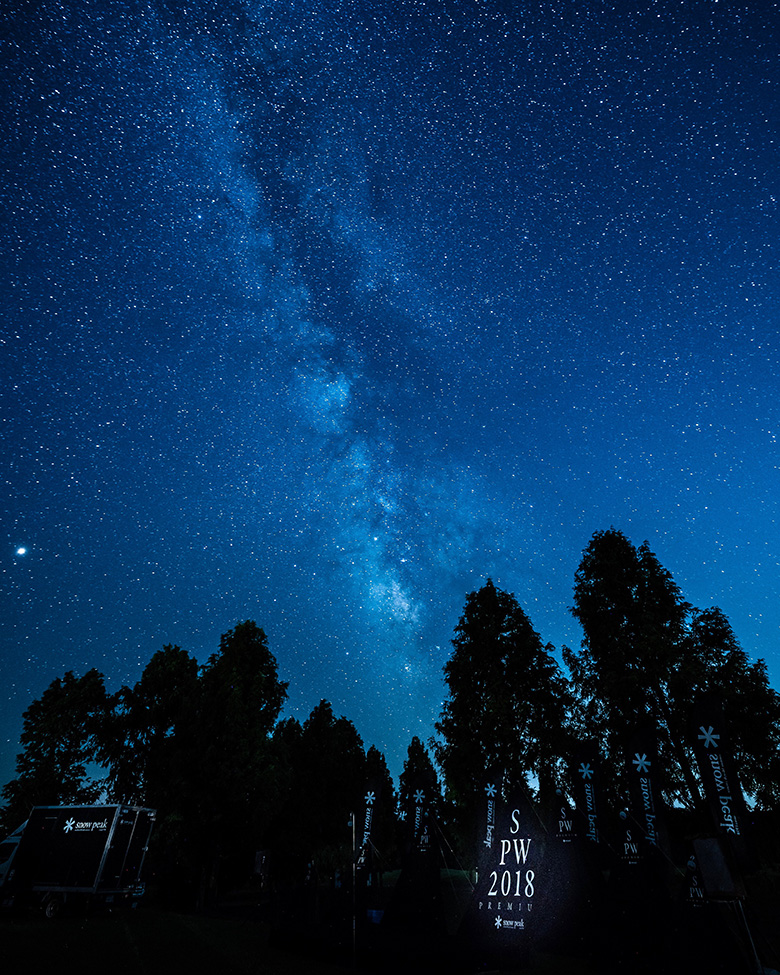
(66, 853)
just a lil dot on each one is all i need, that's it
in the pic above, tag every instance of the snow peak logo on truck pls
(74, 826)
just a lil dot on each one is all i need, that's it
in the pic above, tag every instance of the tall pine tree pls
(507, 708)
(646, 654)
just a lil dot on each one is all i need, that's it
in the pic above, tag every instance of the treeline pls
(646, 658)
(239, 792)
(206, 747)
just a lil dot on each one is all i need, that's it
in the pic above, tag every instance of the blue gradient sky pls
(320, 314)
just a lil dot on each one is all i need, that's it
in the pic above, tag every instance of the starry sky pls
(319, 314)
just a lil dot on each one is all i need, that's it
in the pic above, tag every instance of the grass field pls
(247, 938)
(152, 942)
(145, 943)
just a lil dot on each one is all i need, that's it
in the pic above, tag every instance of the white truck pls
(66, 853)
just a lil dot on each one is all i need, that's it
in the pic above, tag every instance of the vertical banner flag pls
(642, 773)
(584, 777)
(566, 830)
(694, 892)
(371, 800)
(421, 838)
(493, 787)
(629, 841)
(721, 786)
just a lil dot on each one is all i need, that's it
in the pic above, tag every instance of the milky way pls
(319, 315)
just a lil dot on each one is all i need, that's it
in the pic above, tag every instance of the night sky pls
(319, 314)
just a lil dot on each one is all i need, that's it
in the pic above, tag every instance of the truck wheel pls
(52, 908)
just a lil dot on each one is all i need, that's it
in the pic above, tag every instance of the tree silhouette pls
(646, 654)
(61, 735)
(236, 786)
(507, 707)
(633, 620)
(325, 784)
(384, 831)
(418, 774)
(148, 739)
(716, 663)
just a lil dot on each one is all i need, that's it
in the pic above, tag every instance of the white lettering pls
(521, 849)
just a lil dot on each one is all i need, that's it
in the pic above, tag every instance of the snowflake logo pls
(419, 796)
(642, 762)
(402, 815)
(498, 922)
(491, 791)
(708, 736)
(69, 825)
(370, 799)
(586, 771)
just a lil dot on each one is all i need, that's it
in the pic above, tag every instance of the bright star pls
(21, 550)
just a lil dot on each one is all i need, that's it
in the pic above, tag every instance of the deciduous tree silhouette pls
(61, 735)
(148, 741)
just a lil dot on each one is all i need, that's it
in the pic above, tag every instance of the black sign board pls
(509, 905)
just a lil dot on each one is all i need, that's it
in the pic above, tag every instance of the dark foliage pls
(508, 704)
(324, 768)
(61, 737)
(646, 655)
(418, 774)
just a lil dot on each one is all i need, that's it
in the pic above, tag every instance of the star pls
(21, 550)
(419, 796)
(642, 763)
(491, 791)
(370, 799)
(586, 771)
